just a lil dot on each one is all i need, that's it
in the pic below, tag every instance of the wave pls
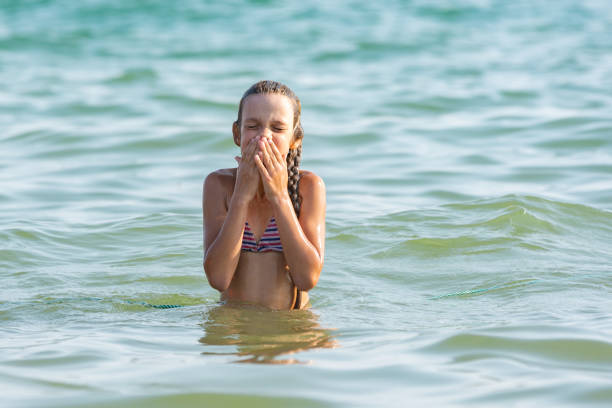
(566, 350)
(133, 75)
(497, 224)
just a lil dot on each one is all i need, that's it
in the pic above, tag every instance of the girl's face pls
(267, 116)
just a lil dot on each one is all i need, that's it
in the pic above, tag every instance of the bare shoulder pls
(218, 184)
(310, 183)
(312, 192)
(220, 179)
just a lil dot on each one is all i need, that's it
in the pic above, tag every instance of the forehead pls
(267, 107)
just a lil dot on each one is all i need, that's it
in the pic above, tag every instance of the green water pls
(466, 148)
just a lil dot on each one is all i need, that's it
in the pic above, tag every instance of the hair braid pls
(293, 162)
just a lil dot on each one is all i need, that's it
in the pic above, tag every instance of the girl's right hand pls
(247, 175)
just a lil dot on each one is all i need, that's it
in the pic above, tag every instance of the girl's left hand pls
(272, 169)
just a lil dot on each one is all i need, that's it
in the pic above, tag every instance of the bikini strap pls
(298, 299)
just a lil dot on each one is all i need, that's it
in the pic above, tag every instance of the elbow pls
(310, 280)
(220, 286)
(307, 285)
(214, 280)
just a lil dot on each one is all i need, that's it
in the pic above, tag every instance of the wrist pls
(239, 201)
(281, 200)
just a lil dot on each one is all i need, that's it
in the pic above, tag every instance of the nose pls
(265, 132)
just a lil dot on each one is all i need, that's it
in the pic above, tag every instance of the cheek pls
(245, 138)
(282, 143)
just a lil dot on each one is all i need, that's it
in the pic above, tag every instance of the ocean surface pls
(466, 147)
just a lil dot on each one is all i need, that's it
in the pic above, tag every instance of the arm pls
(223, 227)
(303, 239)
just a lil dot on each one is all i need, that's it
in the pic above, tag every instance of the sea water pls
(466, 147)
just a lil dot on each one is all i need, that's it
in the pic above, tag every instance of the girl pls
(264, 221)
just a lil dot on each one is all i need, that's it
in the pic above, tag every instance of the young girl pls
(264, 221)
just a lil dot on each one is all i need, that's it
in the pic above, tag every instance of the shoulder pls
(313, 204)
(220, 178)
(219, 183)
(310, 179)
(311, 185)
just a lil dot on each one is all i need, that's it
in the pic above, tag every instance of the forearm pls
(304, 261)
(222, 256)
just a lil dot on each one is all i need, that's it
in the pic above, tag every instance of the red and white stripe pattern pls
(269, 241)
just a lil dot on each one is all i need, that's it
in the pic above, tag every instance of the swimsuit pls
(269, 241)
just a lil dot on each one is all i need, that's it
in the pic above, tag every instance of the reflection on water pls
(260, 335)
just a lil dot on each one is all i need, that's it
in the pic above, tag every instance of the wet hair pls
(295, 155)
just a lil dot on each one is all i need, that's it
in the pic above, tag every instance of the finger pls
(271, 155)
(252, 144)
(277, 154)
(238, 159)
(250, 149)
(266, 158)
(262, 169)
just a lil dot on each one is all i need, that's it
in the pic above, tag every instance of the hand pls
(272, 168)
(247, 175)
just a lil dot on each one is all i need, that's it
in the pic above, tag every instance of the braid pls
(293, 163)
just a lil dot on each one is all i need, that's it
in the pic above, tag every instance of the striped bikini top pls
(269, 241)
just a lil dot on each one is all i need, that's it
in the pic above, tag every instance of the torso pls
(261, 277)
